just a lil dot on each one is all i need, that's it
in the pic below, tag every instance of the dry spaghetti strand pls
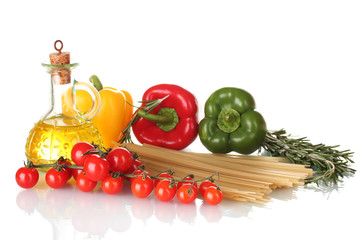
(242, 177)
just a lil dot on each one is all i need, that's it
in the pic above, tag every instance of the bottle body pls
(55, 134)
(54, 137)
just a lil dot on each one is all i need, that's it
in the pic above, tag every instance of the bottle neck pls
(57, 93)
(58, 98)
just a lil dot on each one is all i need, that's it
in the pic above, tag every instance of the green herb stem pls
(328, 163)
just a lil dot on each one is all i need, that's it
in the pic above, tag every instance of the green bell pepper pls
(231, 123)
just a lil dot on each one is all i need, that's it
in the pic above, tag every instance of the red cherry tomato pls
(78, 150)
(213, 196)
(139, 172)
(204, 185)
(188, 178)
(75, 172)
(187, 194)
(96, 168)
(162, 175)
(69, 170)
(111, 185)
(56, 179)
(84, 183)
(142, 188)
(164, 192)
(135, 164)
(120, 159)
(27, 177)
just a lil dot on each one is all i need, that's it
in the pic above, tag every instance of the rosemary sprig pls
(328, 163)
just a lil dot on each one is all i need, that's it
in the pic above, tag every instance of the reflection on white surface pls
(75, 214)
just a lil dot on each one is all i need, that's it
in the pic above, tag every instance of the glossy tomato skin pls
(78, 150)
(164, 192)
(96, 168)
(84, 183)
(213, 196)
(139, 172)
(69, 170)
(187, 183)
(111, 185)
(135, 164)
(163, 175)
(142, 188)
(75, 172)
(27, 177)
(56, 179)
(184, 196)
(204, 185)
(120, 159)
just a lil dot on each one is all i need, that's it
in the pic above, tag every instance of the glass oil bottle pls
(54, 135)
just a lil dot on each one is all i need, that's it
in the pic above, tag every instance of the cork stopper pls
(60, 76)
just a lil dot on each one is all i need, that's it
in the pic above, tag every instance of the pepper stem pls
(96, 82)
(166, 119)
(228, 120)
(155, 118)
(149, 106)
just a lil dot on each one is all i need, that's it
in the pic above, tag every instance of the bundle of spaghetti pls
(241, 177)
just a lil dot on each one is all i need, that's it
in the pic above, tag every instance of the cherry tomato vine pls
(90, 164)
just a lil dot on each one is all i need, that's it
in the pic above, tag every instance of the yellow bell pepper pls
(114, 113)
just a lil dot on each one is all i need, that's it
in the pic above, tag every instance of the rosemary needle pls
(328, 163)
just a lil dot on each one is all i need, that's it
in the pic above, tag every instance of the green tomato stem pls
(56, 164)
(132, 175)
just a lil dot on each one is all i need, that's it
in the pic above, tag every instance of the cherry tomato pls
(134, 155)
(69, 170)
(120, 159)
(96, 168)
(142, 188)
(188, 178)
(213, 196)
(27, 177)
(139, 172)
(162, 175)
(164, 192)
(204, 185)
(187, 194)
(111, 185)
(135, 164)
(56, 179)
(84, 183)
(75, 172)
(78, 150)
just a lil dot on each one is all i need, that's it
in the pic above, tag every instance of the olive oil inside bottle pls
(54, 137)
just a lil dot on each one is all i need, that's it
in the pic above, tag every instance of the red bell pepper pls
(173, 123)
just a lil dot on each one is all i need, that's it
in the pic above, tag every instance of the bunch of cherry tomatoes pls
(112, 168)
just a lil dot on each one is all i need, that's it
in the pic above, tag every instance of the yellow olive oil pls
(54, 137)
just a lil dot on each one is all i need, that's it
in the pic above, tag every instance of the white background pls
(301, 60)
